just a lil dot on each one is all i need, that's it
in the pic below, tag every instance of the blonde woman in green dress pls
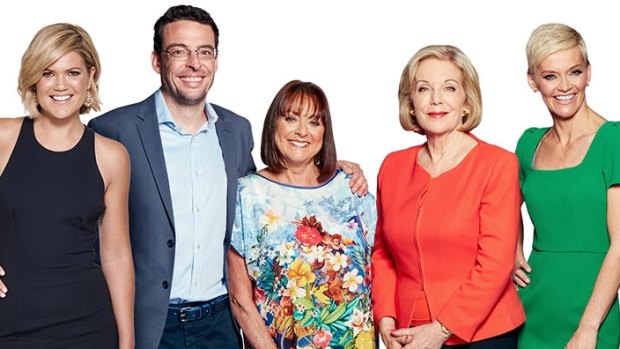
(570, 180)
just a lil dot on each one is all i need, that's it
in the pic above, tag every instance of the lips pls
(192, 78)
(437, 115)
(565, 98)
(299, 144)
(61, 98)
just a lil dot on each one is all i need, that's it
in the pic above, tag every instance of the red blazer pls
(465, 223)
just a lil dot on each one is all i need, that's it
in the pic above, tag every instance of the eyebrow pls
(447, 80)
(72, 68)
(186, 46)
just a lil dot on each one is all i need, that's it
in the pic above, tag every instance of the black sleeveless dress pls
(50, 204)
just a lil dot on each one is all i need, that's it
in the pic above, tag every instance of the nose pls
(301, 129)
(564, 84)
(193, 60)
(60, 83)
(436, 97)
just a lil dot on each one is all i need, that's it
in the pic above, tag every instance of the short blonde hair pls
(48, 45)
(471, 84)
(550, 38)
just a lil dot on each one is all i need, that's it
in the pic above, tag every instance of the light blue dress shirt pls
(197, 179)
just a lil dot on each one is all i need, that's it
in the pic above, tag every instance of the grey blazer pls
(151, 222)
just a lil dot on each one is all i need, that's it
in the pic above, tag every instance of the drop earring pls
(89, 100)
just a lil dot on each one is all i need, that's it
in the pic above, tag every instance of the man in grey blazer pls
(186, 156)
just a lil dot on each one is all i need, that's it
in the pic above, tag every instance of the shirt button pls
(170, 243)
(165, 285)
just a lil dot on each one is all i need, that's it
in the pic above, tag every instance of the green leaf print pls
(336, 314)
(307, 303)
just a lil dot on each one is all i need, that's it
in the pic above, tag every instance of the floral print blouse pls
(307, 249)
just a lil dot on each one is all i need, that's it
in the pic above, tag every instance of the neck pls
(300, 175)
(188, 117)
(584, 122)
(58, 134)
(446, 145)
(61, 126)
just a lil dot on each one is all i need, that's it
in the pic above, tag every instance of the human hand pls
(358, 182)
(583, 339)
(3, 289)
(386, 326)
(429, 336)
(520, 271)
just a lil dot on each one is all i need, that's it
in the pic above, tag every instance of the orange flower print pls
(308, 235)
(300, 272)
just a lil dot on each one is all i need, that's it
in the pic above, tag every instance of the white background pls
(354, 50)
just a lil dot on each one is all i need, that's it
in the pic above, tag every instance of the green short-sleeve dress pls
(568, 208)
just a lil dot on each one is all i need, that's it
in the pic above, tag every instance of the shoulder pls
(249, 181)
(497, 156)
(396, 158)
(610, 131)
(9, 132)
(110, 153)
(531, 136)
(120, 114)
(9, 128)
(226, 115)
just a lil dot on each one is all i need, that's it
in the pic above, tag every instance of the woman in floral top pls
(299, 266)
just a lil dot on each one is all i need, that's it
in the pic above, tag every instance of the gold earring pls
(465, 115)
(89, 100)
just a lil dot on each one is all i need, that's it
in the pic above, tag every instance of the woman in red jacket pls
(448, 218)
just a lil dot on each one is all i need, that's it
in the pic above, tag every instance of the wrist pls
(444, 330)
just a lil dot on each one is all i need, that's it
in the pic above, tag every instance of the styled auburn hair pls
(471, 84)
(299, 98)
(48, 45)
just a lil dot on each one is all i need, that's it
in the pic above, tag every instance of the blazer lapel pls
(224, 136)
(148, 130)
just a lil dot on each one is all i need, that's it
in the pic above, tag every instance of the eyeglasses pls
(180, 53)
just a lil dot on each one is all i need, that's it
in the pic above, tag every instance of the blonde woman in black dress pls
(61, 187)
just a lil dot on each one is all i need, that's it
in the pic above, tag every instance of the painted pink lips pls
(437, 114)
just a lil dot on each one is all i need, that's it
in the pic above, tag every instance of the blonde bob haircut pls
(48, 45)
(550, 38)
(471, 84)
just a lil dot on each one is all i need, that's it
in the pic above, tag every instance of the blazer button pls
(170, 243)
(165, 285)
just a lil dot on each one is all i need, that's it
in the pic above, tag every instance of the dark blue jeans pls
(215, 330)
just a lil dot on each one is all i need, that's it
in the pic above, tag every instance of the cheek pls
(41, 86)
(417, 100)
(581, 83)
(319, 135)
(281, 129)
(546, 88)
(83, 84)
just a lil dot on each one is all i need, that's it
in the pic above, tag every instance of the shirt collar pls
(164, 117)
